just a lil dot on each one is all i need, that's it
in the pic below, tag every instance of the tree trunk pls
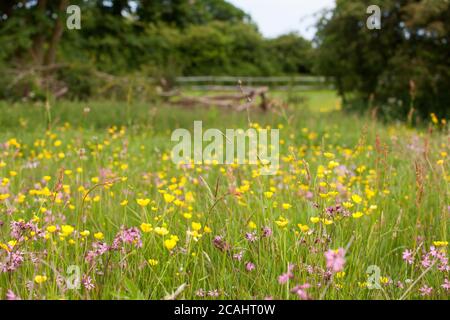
(57, 33)
(37, 50)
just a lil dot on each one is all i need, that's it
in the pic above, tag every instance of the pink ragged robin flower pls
(425, 291)
(408, 256)
(446, 285)
(335, 259)
(266, 232)
(10, 295)
(87, 283)
(251, 236)
(250, 266)
(283, 278)
(300, 290)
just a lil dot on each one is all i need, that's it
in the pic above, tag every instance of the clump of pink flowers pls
(335, 259)
(98, 249)
(130, 236)
(301, 291)
(210, 293)
(283, 278)
(429, 258)
(425, 291)
(13, 261)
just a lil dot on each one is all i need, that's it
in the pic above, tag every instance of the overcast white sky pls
(275, 17)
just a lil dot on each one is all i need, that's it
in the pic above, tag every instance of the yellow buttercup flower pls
(143, 202)
(4, 196)
(162, 231)
(4, 247)
(189, 197)
(282, 222)
(440, 243)
(67, 230)
(20, 198)
(384, 280)
(363, 284)
(95, 180)
(333, 164)
(347, 205)
(99, 235)
(85, 233)
(268, 194)
(356, 198)
(196, 226)
(146, 227)
(303, 227)
(252, 225)
(168, 197)
(51, 229)
(40, 279)
(357, 215)
(12, 243)
(187, 215)
(152, 262)
(171, 243)
(314, 219)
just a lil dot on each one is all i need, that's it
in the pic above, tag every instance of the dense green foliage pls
(401, 71)
(159, 39)
(401, 68)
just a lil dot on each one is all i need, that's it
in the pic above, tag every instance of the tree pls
(402, 67)
(182, 13)
(160, 38)
(292, 52)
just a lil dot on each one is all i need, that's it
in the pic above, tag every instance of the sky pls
(276, 17)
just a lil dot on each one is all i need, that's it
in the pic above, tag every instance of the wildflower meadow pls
(224, 158)
(92, 207)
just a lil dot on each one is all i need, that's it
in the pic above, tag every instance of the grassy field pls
(358, 209)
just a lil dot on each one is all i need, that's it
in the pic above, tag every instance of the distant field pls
(358, 210)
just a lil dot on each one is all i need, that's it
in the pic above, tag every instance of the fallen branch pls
(224, 100)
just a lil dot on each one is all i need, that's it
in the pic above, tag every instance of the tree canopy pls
(402, 68)
(150, 37)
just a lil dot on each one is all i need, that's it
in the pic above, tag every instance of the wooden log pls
(223, 100)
